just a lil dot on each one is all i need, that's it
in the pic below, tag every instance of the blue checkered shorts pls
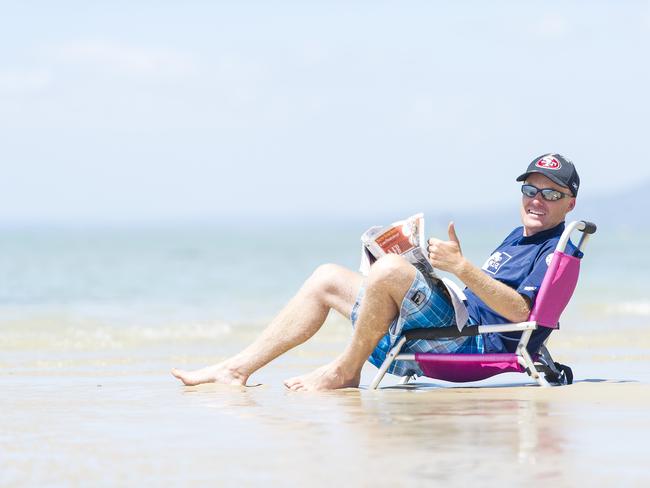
(424, 305)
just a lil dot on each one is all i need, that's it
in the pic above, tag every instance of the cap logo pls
(548, 162)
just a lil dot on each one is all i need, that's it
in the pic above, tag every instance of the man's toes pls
(293, 383)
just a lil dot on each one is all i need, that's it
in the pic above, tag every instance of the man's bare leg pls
(329, 287)
(388, 282)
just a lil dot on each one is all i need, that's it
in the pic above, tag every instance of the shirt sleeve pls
(531, 284)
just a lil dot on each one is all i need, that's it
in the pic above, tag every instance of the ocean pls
(98, 287)
(93, 317)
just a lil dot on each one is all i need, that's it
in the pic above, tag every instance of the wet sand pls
(92, 322)
(135, 425)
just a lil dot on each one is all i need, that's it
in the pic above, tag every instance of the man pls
(395, 296)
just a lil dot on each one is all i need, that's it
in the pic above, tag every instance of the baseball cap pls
(557, 168)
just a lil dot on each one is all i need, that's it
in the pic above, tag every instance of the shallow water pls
(91, 321)
(124, 429)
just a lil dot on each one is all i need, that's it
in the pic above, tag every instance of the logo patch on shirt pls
(494, 262)
(417, 298)
(548, 162)
(549, 258)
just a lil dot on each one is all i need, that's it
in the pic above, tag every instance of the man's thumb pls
(452, 233)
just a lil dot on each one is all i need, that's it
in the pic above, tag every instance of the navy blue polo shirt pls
(521, 263)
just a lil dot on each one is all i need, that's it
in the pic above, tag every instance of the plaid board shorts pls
(424, 305)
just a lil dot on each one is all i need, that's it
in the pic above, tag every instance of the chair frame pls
(539, 368)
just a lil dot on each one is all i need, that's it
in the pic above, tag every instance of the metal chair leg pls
(522, 352)
(390, 357)
(405, 380)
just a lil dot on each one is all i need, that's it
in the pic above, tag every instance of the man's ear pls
(572, 204)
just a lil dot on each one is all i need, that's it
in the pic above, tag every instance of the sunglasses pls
(548, 194)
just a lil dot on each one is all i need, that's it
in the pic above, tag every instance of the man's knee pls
(325, 279)
(391, 270)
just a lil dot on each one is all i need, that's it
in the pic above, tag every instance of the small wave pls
(641, 309)
(30, 335)
(179, 332)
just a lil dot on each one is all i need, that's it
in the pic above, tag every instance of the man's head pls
(543, 210)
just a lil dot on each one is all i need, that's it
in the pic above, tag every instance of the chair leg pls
(405, 380)
(545, 355)
(522, 352)
(547, 360)
(390, 357)
(532, 370)
(555, 373)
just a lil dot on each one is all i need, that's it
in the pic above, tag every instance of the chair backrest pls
(561, 278)
(557, 287)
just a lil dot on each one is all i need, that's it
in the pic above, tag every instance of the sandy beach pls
(88, 338)
(115, 421)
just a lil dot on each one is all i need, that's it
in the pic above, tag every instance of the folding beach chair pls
(554, 295)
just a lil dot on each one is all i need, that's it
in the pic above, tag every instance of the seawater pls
(101, 288)
(91, 320)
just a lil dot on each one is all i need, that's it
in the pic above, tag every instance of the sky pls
(143, 110)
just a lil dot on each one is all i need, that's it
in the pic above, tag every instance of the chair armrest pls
(513, 327)
(452, 332)
(441, 332)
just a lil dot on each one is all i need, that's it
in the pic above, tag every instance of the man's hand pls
(446, 255)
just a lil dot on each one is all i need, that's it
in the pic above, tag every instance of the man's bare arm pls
(447, 256)
(499, 297)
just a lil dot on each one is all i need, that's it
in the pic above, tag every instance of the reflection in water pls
(141, 427)
(421, 433)
(519, 430)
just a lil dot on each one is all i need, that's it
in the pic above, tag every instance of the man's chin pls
(533, 226)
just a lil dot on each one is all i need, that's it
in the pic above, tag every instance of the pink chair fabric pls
(461, 368)
(557, 287)
(554, 295)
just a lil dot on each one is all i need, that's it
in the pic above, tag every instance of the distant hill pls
(627, 209)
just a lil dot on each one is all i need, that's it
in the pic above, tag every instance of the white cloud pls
(124, 59)
(552, 25)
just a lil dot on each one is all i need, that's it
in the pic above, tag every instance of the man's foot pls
(218, 373)
(329, 377)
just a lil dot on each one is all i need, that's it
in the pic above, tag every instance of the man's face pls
(538, 214)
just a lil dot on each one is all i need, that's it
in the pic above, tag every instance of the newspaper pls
(407, 238)
(404, 237)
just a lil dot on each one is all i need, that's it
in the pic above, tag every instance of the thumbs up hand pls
(446, 255)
